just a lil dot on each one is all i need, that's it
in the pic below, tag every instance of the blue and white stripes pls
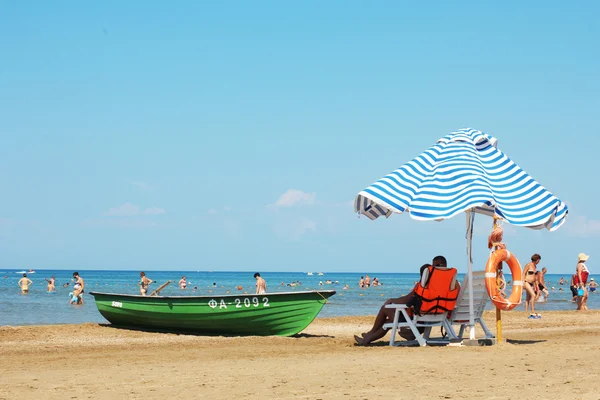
(463, 171)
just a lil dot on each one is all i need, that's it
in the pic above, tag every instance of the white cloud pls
(212, 211)
(131, 210)
(293, 197)
(154, 211)
(582, 226)
(126, 210)
(304, 226)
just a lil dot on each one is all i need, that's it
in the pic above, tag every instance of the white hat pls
(592, 279)
(582, 257)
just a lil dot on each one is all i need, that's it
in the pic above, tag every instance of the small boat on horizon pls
(320, 274)
(281, 314)
(309, 273)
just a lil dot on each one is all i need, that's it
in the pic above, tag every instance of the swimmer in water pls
(24, 284)
(593, 285)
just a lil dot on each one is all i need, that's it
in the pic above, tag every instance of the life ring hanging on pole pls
(491, 272)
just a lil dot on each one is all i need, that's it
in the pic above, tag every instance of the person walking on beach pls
(78, 288)
(144, 283)
(261, 285)
(51, 287)
(529, 285)
(24, 284)
(582, 274)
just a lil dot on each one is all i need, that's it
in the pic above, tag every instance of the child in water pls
(74, 299)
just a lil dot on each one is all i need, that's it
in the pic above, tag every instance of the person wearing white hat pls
(582, 274)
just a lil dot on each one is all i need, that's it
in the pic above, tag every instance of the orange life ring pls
(491, 270)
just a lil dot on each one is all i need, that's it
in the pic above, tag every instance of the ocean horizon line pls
(209, 271)
(372, 273)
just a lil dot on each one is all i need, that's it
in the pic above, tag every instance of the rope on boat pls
(319, 293)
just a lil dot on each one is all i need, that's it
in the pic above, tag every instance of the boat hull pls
(282, 314)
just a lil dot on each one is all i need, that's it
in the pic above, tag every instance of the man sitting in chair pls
(435, 293)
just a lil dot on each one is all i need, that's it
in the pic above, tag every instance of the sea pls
(40, 308)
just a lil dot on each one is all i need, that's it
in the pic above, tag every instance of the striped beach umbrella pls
(463, 172)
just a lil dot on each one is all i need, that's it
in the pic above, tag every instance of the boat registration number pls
(117, 304)
(246, 302)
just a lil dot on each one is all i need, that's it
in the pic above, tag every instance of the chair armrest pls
(397, 306)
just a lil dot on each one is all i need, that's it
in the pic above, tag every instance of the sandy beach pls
(551, 358)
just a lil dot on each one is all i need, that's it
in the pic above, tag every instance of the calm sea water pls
(40, 307)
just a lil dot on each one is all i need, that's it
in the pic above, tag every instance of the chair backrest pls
(480, 298)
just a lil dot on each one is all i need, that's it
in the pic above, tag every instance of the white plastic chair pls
(427, 321)
(460, 314)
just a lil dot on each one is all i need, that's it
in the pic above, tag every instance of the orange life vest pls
(436, 296)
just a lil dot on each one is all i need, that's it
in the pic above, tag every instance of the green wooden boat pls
(282, 314)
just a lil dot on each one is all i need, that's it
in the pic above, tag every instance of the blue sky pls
(235, 135)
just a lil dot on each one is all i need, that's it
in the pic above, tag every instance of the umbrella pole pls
(470, 222)
(498, 311)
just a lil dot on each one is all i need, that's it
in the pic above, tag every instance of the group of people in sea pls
(75, 297)
(328, 282)
(292, 284)
(365, 282)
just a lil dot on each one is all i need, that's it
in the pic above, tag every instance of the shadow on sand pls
(309, 335)
(191, 333)
(415, 344)
(513, 341)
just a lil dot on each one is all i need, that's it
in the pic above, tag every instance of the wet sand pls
(551, 358)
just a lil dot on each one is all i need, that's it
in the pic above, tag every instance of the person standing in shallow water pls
(78, 288)
(51, 287)
(144, 283)
(182, 283)
(261, 285)
(24, 284)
